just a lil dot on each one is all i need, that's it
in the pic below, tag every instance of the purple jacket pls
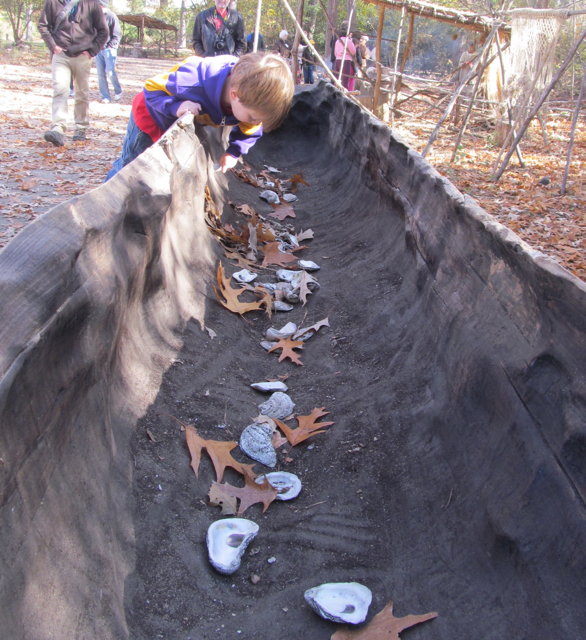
(200, 80)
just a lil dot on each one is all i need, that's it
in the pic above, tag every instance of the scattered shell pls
(271, 169)
(227, 541)
(269, 286)
(244, 276)
(286, 332)
(293, 240)
(308, 265)
(279, 305)
(340, 601)
(286, 275)
(287, 484)
(291, 297)
(267, 387)
(255, 441)
(269, 184)
(289, 197)
(269, 196)
(279, 406)
(266, 345)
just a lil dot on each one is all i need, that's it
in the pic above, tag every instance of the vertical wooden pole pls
(295, 51)
(257, 25)
(379, 39)
(407, 51)
(396, 65)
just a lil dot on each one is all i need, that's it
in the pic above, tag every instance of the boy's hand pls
(188, 107)
(227, 162)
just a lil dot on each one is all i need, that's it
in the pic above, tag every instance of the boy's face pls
(242, 112)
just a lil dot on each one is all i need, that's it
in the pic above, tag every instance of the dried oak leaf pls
(241, 175)
(231, 295)
(314, 328)
(266, 298)
(305, 235)
(250, 494)
(246, 209)
(273, 255)
(384, 626)
(219, 452)
(287, 345)
(297, 179)
(241, 261)
(264, 234)
(281, 211)
(308, 426)
(218, 498)
(303, 281)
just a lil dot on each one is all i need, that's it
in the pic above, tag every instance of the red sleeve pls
(143, 118)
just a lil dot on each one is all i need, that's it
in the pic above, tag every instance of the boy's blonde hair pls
(263, 82)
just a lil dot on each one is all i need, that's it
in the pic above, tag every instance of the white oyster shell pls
(279, 305)
(340, 601)
(255, 441)
(308, 265)
(271, 169)
(287, 484)
(279, 406)
(286, 274)
(286, 332)
(267, 345)
(227, 541)
(244, 276)
(267, 387)
(269, 196)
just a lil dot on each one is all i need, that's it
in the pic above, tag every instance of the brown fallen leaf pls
(274, 256)
(218, 498)
(231, 295)
(305, 235)
(241, 261)
(246, 209)
(304, 280)
(219, 453)
(384, 626)
(314, 328)
(250, 494)
(264, 234)
(266, 298)
(308, 426)
(297, 179)
(282, 211)
(287, 345)
(277, 440)
(245, 177)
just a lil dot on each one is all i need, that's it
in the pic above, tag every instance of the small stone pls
(254, 579)
(272, 560)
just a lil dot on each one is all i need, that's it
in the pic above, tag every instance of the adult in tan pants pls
(74, 32)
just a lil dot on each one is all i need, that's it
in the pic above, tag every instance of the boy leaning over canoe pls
(253, 93)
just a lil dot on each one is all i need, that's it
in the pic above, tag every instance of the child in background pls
(253, 92)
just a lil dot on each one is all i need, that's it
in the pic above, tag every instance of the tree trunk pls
(351, 10)
(333, 14)
(311, 16)
(182, 40)
(295, 50)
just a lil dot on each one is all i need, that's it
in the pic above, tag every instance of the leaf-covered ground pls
(36, 176)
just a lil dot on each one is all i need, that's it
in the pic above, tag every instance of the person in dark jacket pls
(73, 37)
(106, 58)
(281, 47)
(219, 31)
(250, 42)
(308, 61)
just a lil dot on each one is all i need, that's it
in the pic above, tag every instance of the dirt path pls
(35, 175)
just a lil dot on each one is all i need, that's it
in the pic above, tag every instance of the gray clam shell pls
(285, 332)
(244, 276)
(267, 345)
(269, 196)
(340, 601)
(279, 406)
(287, 484)
(255, 441)
(286, 274)
(278, 305)
(308, 265)
(227, 541)
(289, 197)
(267, 387)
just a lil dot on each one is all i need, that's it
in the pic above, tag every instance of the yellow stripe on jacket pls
(248, 129)
(159, 83)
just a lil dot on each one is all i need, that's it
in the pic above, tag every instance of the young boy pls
(253, 92)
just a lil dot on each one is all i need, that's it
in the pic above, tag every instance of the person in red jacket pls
(74, 32)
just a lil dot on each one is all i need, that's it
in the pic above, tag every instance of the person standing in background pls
(219, 31)
(282, 47)
(308, 61)
(106, 58)
(250, 42)
(74, 32)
